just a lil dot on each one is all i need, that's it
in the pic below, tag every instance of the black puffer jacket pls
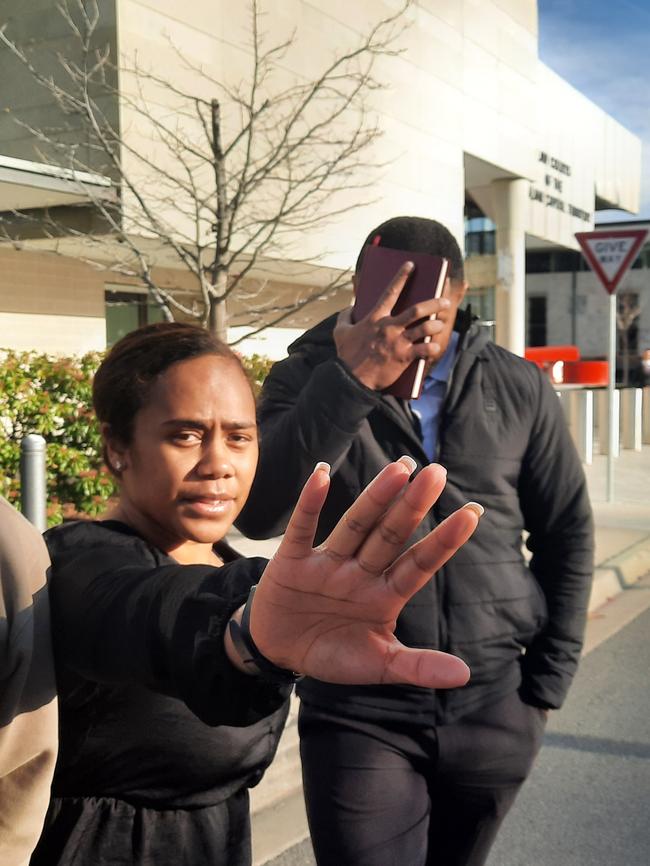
(504, 442)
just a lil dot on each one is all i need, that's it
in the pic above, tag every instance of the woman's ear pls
(114, 451)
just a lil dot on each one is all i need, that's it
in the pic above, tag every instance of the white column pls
(510, 198)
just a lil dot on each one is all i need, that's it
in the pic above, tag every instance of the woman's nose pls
(215, 460)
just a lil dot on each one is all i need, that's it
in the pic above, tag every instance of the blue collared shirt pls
(427, 406)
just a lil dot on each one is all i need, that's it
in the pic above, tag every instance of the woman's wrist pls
(231, 650)
(243, 651)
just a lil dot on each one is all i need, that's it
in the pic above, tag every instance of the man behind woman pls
(415, 776)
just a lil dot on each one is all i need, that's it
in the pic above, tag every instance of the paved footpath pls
(586, 802)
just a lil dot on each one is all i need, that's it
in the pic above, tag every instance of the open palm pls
(330, 612)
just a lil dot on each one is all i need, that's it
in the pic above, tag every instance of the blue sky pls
(602, 47)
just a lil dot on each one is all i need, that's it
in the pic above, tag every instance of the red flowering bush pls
(53, 397)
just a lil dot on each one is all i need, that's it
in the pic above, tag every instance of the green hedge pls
(52, 396)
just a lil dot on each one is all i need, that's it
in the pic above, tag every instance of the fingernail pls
(322, 467)
(408, 266)
(435, 347)
(445, 302)
(476, 507)
(409, 462)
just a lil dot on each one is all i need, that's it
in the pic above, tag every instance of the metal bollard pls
(583, 424)
(603, 422)
(646, 416)
(578, 407)
(33, 487)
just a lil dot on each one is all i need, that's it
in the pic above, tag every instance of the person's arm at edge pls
(557, 514)
(28, 706)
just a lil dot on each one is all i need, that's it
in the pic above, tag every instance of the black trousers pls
(397, 794)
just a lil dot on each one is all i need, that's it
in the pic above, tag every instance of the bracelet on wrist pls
(248, 652)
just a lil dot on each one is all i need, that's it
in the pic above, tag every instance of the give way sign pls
(611, 252)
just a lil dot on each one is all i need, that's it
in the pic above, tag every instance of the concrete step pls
(277, 807)
(279, 828)
(619, 572)
(283, 778)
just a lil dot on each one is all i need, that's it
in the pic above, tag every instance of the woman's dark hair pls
(417, 235)
(122, 383)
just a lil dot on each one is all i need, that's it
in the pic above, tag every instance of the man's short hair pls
(417, 235)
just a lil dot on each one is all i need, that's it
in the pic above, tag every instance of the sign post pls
(609, 254)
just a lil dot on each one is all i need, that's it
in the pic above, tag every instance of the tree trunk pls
(218, 317)
(625, 358)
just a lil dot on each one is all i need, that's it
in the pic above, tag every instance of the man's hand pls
(380, 347)
(330, 612)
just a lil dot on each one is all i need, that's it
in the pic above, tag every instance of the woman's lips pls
(208, 506)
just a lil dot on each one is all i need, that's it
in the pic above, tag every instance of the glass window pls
(538, 262)
(554, 261)
(481, 299)
(536, 321)
(126, 311)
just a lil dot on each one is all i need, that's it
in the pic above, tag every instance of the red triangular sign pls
(610, 253)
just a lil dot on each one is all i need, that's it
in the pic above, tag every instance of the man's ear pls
(459, 288)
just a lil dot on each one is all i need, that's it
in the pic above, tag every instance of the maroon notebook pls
(427, 280)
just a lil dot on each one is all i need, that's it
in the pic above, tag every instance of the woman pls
(173, 676)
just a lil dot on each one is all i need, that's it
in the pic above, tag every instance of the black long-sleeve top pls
(157, 728)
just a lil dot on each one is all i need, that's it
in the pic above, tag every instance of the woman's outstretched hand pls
(330, 612)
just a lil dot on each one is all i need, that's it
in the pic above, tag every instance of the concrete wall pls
(56, 304)
(468, 83)
(50, 303)
(581, 151)
(462, 84)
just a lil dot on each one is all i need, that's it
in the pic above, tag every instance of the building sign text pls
(552, 195)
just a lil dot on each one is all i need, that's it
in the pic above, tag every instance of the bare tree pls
(216, 179)
(628, 310)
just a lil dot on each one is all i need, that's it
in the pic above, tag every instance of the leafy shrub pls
(53, 397)
(257, 368)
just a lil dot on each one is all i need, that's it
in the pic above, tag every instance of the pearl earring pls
(118, 465)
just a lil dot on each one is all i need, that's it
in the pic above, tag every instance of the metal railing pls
(586, 411)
